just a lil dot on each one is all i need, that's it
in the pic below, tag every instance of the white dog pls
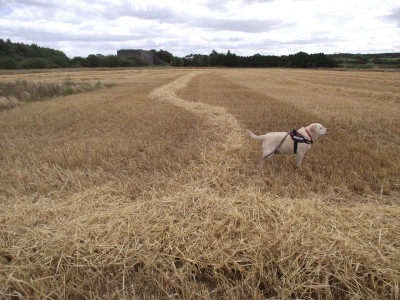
(295, 142)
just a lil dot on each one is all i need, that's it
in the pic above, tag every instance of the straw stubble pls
(142, 191)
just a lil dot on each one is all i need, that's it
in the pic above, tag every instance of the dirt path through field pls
(225, 123)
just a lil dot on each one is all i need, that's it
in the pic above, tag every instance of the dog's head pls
(317, 129)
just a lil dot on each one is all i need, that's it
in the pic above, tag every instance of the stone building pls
(146, 56)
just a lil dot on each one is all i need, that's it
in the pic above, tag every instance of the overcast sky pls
(246, 27)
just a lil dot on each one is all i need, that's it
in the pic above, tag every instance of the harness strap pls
(298, 138)
(295, 139)
(311, 140)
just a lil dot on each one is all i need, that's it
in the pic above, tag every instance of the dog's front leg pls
(299, 158)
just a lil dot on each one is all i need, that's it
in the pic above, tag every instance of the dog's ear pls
(313, 129)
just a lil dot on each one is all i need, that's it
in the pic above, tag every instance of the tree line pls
(23, 56)
(215, 59)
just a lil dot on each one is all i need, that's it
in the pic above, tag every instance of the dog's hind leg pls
(262, 161)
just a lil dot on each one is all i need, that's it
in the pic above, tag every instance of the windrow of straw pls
(217, 117)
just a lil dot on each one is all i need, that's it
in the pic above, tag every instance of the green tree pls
(3, 48)
(177, 62)
(93, 61)
(78, 62)
(231, 60)
(164, 55)
(7, 63)
(299, 60)
(60, 61)
(33, 63)
(110, 61)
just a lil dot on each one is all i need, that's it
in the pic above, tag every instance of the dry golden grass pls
(141, 191)
(361, 153)
(19, 92)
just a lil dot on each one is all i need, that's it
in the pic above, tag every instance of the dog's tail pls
(253, 136)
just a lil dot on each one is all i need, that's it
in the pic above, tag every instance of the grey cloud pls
(269, 46)
(4, 3)
(249, 25)
(216, 5)
(223, 5)
(394, 16)
(160, 14)
(39, 9)
(84, 35)
(34, 3)
(154, 13)
(167, 15)
(257, 1)
(315, 40)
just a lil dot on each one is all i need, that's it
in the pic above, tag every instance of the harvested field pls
(142, 191)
